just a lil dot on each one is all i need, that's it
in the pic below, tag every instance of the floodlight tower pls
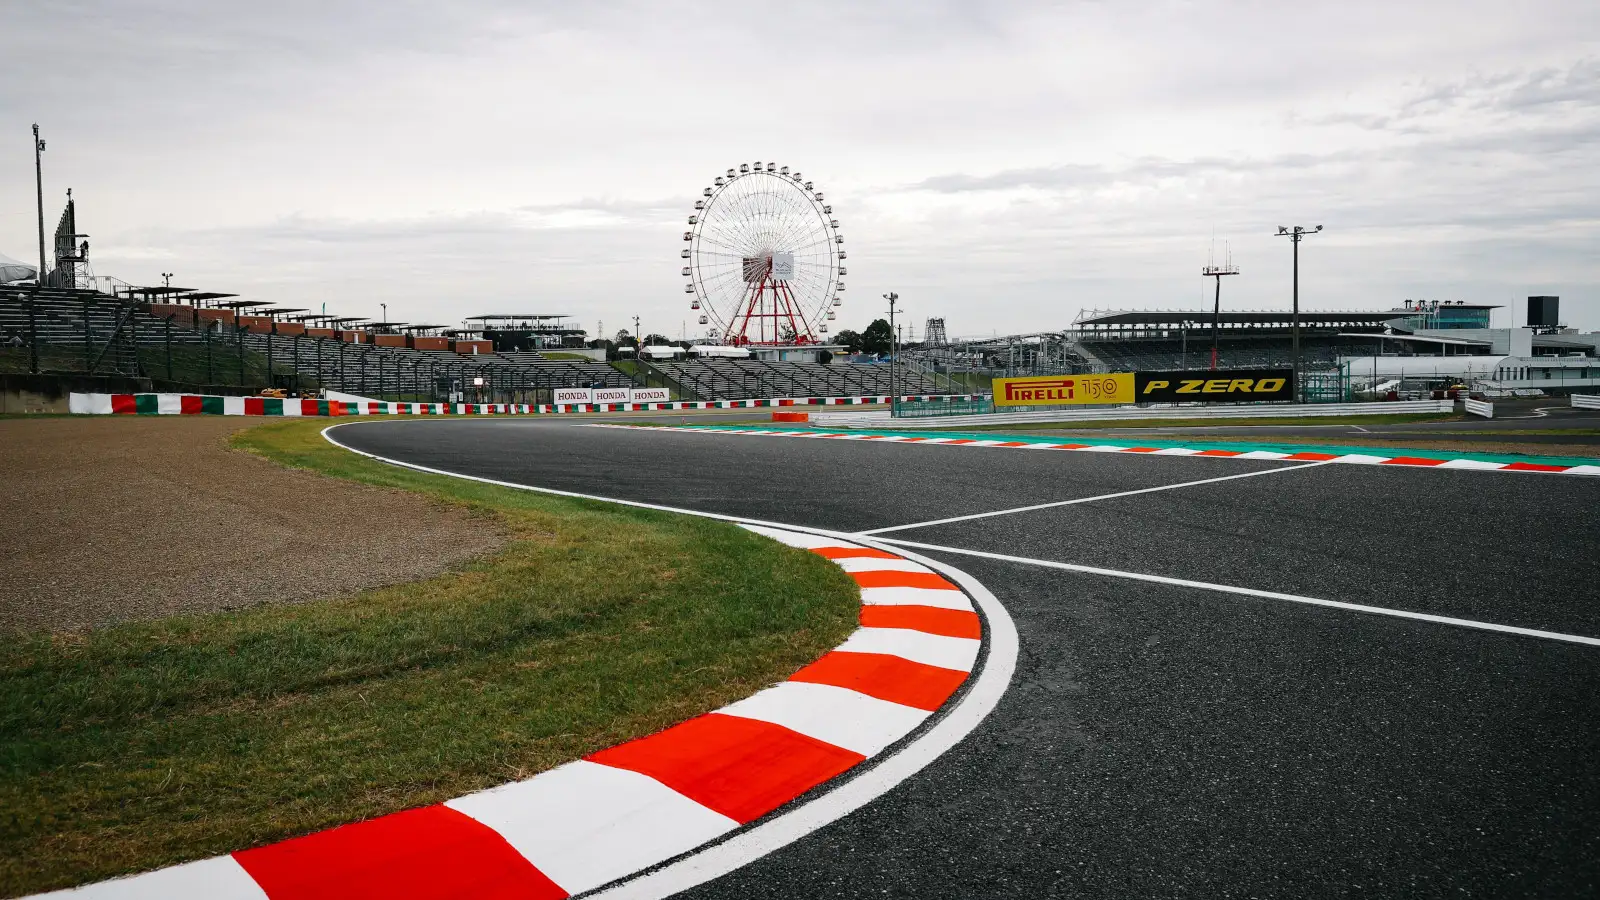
(1213, 271)
(894, 355)
(38, 181)
(1295, 235)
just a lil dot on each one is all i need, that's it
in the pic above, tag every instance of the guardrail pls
(1252, 411)
(1480, 408)
(1586, 401)
(195, 404)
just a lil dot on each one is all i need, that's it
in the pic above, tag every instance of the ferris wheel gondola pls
(763, 257)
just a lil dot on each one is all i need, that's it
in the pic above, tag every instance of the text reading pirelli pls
(1229, 385)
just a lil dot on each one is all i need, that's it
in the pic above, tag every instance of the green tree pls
(850, 339)
(876, 338)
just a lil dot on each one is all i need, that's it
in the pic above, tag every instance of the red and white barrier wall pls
(195, 404)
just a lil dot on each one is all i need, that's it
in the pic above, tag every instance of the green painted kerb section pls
(1240, 446)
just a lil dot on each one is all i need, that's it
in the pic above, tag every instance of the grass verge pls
(136, 746)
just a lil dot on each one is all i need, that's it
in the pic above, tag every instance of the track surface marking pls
(1160, 739)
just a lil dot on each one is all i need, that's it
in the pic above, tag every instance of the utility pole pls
(1295, 235)
(1211, 271)
(894, 356)
(38, 183)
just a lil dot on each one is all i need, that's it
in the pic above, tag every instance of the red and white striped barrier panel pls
(196, 404)
(627, 808)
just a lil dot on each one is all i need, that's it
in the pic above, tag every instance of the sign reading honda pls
(1225, 386)
(650, 395)
(1064, 390)
(569, 396)
(611, 395)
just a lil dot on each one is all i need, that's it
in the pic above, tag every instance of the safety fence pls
(1129, 413)
(1480, 408)
(1586, 401)
(196, 404)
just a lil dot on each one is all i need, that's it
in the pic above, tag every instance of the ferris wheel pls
(764, 260)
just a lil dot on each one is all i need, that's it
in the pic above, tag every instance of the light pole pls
(38, 183)
(893, 298)
(1295, 235)
(385, 308)
(1227, 268)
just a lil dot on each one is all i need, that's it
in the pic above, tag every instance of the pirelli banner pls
(1224, 386)
(1227, 386)
(1064, 390)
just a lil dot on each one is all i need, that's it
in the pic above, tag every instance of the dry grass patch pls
(135, 746)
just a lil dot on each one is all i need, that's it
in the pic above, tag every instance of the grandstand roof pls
(502, 317)
(1177, 317)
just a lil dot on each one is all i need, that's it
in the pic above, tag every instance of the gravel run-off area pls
(118, 519)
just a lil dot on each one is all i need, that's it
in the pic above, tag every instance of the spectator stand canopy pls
(512, 332)
(1146, 324)
(16, 270)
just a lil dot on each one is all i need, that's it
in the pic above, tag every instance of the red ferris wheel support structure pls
(769, 305)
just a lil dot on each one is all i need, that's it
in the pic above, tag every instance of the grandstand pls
(715, 378)
(1155, 340)
(205, 341)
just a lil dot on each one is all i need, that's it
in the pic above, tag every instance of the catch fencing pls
(196, 405)
(1252, 411)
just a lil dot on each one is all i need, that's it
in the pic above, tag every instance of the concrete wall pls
(50, 393)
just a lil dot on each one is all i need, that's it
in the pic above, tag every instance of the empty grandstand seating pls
(734, 379)
(124, 337)
(1317, 353)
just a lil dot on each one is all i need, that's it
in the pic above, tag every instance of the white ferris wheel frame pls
(755, 211)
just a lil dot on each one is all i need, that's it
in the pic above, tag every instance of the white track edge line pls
(955, 722)
(1058, 503)
(1253, 592)
(888, 772)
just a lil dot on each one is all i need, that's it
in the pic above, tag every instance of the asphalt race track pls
(1160, 740)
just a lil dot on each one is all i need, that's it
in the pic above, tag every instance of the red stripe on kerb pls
(960, 441)
(1068, 446)
(1534, 467)
(1311, 457)
(742, 768)
(419, 854)
(124, 404)
(1140, 449)
(854, 553)
(1013, 444)
(1412, 461)
(902, 579)
(885, 677)
(958, 623)
(1220, 453)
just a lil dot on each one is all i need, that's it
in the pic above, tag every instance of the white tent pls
(15, 270)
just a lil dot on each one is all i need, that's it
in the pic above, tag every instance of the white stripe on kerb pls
(878, 564)
(912, 596)
(833, 715)
(585, 824)
(929, 649)
(218, 878)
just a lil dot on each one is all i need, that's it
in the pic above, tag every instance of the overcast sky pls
(1001, 164)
